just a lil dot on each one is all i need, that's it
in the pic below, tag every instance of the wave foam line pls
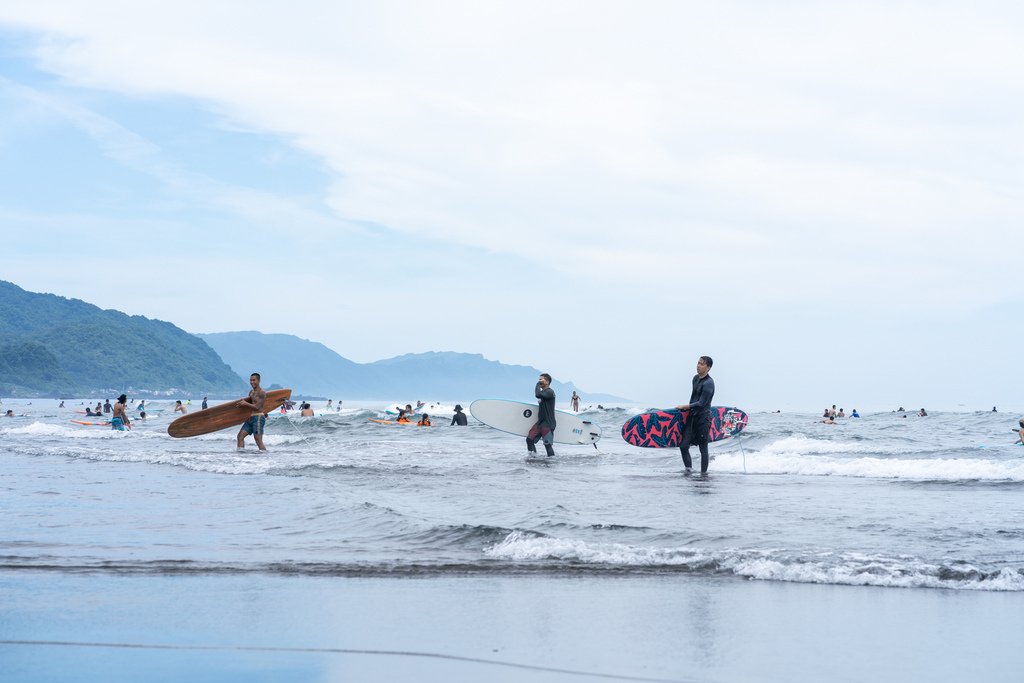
(942, 469)
(849, 569)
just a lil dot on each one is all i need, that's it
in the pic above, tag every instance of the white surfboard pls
(516, 417)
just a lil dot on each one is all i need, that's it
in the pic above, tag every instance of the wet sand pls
(255, 627)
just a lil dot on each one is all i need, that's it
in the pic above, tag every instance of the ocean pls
(925, 513)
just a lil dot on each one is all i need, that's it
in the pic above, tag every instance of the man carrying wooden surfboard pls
(545, 426)
(699, 424)
(257, 421)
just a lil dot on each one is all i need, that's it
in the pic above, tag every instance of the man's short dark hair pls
(707, 361)
(256, 375)
(546, 376)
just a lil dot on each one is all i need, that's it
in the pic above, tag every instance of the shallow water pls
(909, 502)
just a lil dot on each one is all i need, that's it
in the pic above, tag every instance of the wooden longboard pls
(223, 416)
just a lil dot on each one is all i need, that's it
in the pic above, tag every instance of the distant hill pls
(312, 368)
(52, 345)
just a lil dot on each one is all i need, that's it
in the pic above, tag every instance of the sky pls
(827, 198)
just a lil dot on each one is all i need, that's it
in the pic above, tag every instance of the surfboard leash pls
(301, 435)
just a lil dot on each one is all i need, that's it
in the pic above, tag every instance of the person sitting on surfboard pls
(459, 418)
(545, 427)
(699, 423)
(257, 420)
(424, 421)
(120, 420)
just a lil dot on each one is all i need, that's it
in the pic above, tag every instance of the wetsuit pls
(698, 424)
(459, 418)
(545, 427)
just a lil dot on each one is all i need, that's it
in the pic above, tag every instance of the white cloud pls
(587, 130)
(781, 152)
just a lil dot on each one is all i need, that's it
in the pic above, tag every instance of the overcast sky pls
(825, 197)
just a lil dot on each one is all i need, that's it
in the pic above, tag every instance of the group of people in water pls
(459, 419)
(830, 415)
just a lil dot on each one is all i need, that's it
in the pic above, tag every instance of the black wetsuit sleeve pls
(546, 406)
(705, 392)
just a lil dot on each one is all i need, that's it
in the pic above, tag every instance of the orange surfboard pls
(223, 416)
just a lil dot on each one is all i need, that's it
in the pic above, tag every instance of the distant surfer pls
(544, 429)
(575, 402)
(459, 418)
(205, 405)
(922, 413)
(841, 413)
(1020, 432)
(699, 423)
(106, 406)
(854, 413)
(62, 403)
(307, 411)
(178, 408)
(828, 420)
(120, 420)
(424, 421)
(10, 413)
(142, 405)
(257, 420)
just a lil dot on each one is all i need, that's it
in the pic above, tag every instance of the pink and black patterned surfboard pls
(664, 428)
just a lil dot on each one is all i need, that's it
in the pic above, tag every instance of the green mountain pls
(52, 345)
(312, 368)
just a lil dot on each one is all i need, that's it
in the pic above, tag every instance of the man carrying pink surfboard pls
(699, 424)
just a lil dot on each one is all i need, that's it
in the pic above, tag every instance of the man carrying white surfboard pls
(545, 426)
(699, 423)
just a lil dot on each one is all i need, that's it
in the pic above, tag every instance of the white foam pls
(798, 444)
(766, 565)
(913, 469)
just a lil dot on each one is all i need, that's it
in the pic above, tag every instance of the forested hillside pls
(51, 345)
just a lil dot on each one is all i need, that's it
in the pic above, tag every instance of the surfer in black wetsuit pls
(699, 422)
(545, 427)
(459, 418)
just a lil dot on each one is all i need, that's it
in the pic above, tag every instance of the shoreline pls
(57, 626)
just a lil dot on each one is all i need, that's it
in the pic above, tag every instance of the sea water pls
(884, 500)
(881, 548)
